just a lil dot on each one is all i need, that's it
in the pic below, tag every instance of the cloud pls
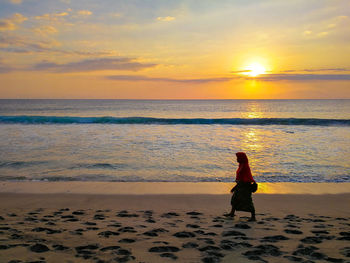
(144, 78)
(316, 70)
(16, 2)
(12, 22)
(165, 18)
(322, 34)
(52, 17)
(298, 75)
(241, 71)
(45, 30)
(84, 12)
(302, 77)
(6, 25)
(263, 77)
(5, 68)
(9, 43)
(93, 65)
(15, 44)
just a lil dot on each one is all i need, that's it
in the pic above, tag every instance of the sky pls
(175, 49)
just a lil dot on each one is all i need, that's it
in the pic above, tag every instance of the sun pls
(255, 69)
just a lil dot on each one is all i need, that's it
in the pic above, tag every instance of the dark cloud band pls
(93, 65)
(303, 77)
(144, 78)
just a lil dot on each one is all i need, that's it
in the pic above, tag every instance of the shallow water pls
(176, 152)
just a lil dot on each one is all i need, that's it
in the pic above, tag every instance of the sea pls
(174, 140)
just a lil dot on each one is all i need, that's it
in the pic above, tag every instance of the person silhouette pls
(242, 192)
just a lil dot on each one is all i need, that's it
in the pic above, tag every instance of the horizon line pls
(169, 99)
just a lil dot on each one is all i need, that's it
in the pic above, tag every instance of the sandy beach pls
(97, 227)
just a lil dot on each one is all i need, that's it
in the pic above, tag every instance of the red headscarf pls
(243, 173)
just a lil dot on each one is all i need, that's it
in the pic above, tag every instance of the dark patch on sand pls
(125, 213)
(190, 245)
(194, 213)
(170, 215)
(162, 249)
(274, 239)
(108, 233)
(242, 226)
(39, 248)
(293, 231)
(184, 234)
(232, 233)
(127, 229)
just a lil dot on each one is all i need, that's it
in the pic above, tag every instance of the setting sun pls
(255, 69)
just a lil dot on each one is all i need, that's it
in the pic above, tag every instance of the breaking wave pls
(171, 121)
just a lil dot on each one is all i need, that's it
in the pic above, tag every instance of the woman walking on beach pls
(242, 192)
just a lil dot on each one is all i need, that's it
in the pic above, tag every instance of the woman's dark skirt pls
(242, 198)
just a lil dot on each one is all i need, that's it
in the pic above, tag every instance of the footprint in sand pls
(78, 212)
(87, 251)
(206, 240)
(190, 245)
(184, 234)
(154, 232)
(192, 226)
(293, 231)
(161, 249)
(242, 226)
(168, 255)
(60, 247)
(48, 231)
(110, 248)
(39, 248)
(232, 233)
(344, 236)
(108, 233)
(90, 223)
(115, 225)
(264, 250)
(194, 213)
(127, 240)
(99, 217)
(274, 239)
(127, 229)
(231, 245)
(345, 251)
(125, 213)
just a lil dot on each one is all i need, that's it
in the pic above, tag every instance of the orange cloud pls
(45, 30)
(166, 18)
(84, 12)
(16, 2)
(6, 25)
(51, 17)
(12, 22)
(144, 78)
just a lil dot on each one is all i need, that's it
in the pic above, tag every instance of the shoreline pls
(152, 188)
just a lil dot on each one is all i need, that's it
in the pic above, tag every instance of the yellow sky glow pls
(182, 49)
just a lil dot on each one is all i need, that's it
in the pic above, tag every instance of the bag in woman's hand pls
(253, 187)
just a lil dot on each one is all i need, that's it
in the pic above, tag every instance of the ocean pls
(174, 140)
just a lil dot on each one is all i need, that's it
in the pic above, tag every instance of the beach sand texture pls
(172, 228)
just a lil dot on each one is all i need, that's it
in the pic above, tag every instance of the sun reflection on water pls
(252, 139)
(253, 111)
